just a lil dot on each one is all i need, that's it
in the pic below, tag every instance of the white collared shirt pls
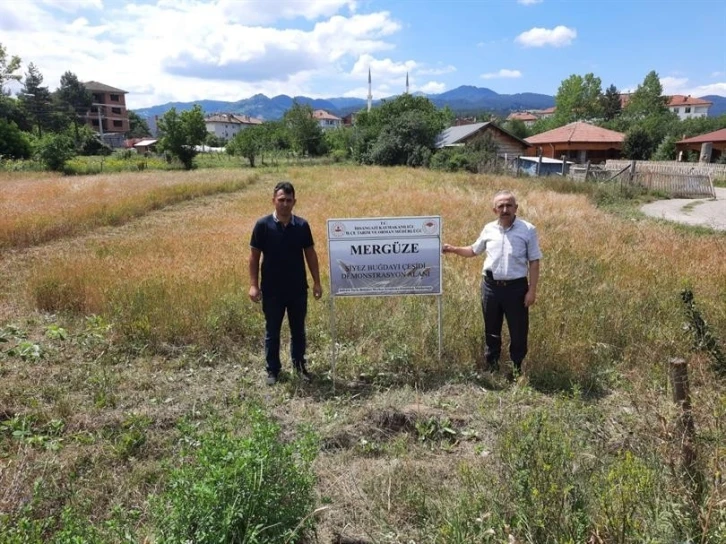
(509, 251)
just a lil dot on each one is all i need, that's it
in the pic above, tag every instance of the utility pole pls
(100, 122)
(370, 93)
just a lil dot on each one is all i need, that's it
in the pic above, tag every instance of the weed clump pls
(253, 488)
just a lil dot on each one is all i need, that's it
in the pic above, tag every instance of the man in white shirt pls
(513, 253)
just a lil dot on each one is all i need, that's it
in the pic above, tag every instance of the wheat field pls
(124, 311)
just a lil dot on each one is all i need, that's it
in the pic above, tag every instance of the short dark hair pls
(286, 187)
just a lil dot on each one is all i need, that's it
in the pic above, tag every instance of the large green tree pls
(399, 131)
(578, 99)
(517, 128)
(638, 144)
(74, 99)
(305, 133)
(181, 132)
(339, 142)
(611, 105)
(138, 127)
(648, 98)
(8, 66)
(248, 143)
(14, 143)
(35, 99)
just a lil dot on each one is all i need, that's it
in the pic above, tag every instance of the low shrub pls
(547, 474)
(55, 149)
(255, 488)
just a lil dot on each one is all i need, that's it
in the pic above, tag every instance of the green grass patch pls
(255, 488)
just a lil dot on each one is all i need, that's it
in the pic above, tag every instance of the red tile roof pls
(674, 100)
(577, 132)
(233, 119)
(681, 100)
(522, 116)
(102, 87)
(715, 136)
(322, 114)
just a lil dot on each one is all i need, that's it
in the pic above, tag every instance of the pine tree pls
(36, 99)
(611, 105)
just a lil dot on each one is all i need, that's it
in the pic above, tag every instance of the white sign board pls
(385, 256)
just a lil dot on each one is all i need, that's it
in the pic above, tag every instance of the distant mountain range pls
(719, 104)
(463, 100)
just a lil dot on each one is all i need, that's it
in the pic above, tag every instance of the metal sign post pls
(384, 256)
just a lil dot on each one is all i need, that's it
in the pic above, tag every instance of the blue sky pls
(185, 50)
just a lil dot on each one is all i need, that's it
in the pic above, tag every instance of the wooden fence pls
(675, 185)
(672, 167)
(678, 180)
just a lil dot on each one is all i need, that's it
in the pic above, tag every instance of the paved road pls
(701, 212)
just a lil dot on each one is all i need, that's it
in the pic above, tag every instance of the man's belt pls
(504, 283)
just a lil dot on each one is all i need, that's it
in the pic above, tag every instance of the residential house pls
(228, 125)
(459, 121)
(687, 107)
(108, 114)
(526, 117)
(700, 144)
(456, 136)
(146, 146)
(327, 120)
(579, 141)
(545, 113)
(349, 120)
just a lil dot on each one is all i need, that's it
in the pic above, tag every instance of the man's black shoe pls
(271, 378)
(302, 371)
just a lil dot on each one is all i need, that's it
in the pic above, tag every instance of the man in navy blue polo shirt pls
(285, 243)
(513, 252)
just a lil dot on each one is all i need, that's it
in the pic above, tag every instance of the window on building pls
(117, 123)
(675, 110)
(114, 98)
(98, 98)
(116, 110)
(688, 109)
(94, 122)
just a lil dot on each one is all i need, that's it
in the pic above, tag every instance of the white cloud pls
(673, 85)
(388, 77)
(529, 2)
(436, 71)
(432, 87)
(718, 74)
(718, 89)
(187, 50)
(251, 12)
(382, 70)
(680, 85)
(71, 5)
(559, 36)
(502, 74)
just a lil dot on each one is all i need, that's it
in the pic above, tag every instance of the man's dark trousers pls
(274, 308)
(500, 300)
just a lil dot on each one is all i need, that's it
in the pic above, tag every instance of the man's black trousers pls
(501, 300)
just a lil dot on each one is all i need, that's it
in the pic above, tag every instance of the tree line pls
(45, 124)
(400, 131)
(651, 129)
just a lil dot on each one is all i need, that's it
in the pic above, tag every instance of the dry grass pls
(185, 344)
(42, 207)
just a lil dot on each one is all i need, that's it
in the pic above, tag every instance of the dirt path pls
(696, 212)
